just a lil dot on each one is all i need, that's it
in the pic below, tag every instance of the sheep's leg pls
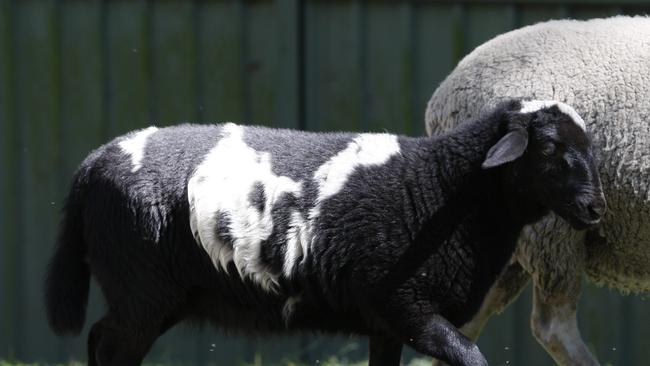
(555, 255)
(384, 351)
(507, 288)
(555, 326)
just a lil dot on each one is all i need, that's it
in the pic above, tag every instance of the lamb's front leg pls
(411, 319)
(508, 286)
(440, 339)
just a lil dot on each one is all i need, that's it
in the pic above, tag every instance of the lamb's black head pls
(551, 160)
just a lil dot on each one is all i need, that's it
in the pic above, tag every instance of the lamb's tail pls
(68, 274)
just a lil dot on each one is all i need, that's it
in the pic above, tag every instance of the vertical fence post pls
(9, 183)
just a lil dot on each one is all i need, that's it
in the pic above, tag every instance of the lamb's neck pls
(461, 152)
(447, 181)
(451, 163)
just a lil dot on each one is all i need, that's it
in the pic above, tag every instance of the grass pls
(333, 361)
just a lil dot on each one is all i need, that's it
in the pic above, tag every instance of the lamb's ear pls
(510, 147)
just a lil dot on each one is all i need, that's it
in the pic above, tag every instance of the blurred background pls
(74, 74)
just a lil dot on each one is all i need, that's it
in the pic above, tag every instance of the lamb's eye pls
(549, 148)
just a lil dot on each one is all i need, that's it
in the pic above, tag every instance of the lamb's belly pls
(243, 306)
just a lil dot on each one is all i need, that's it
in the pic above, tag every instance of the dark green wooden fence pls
(74, 74)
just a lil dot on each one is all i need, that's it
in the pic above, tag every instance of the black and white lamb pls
(602, 68)
(259, 229)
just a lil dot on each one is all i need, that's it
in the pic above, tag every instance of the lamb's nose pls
(597, 208)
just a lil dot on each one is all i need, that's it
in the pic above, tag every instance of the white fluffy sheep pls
(602, 68)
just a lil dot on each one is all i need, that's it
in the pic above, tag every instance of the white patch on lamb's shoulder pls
(530, 106)
(221, 185)
(365, 150)
(134, 146)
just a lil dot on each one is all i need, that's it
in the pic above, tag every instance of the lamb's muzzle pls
(593, 207)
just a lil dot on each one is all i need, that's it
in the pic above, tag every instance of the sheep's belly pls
(619, 256)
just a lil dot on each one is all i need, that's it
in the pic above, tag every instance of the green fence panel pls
(596, 307)
(290, 105)
(438, 48)
(333, 74)
(8, 186)
(82, 93)
(640, 10)
(483, 22)
(389, 68)
(38, 117)
(221, 61)
(531, 14)
(128, 75)
(173, 62)
(589, 11)
(271, 94)
(638, 318)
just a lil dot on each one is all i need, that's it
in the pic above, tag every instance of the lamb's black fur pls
(403, 253)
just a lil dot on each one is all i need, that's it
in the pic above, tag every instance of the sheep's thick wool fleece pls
(601, 67)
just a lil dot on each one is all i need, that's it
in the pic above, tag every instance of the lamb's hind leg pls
(503, 293)
(111, 344)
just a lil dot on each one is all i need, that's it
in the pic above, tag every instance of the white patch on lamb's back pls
(365, 150)
(221, 185)
(135, 144)
(530, 106)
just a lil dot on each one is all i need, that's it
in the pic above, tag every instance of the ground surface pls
(329, 362)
